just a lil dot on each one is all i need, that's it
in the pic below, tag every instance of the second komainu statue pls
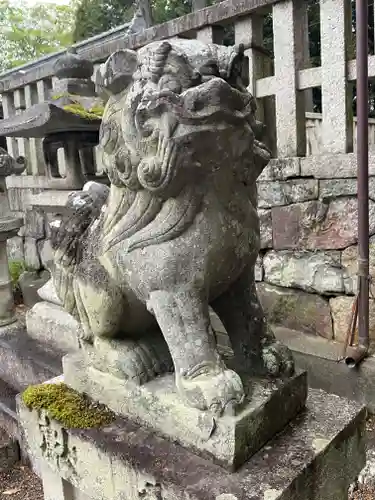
(140, 263)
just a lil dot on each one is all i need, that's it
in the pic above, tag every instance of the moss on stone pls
(75, 107)
(67, 406)
(94, 113)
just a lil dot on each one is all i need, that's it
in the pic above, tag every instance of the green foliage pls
(93, 17)
(165, 10)
(28, 32)
(16, 268)
(69, 407)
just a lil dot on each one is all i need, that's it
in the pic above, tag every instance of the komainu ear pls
(116, 73)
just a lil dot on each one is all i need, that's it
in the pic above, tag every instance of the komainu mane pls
(140, 263)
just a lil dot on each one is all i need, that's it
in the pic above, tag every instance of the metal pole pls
(362, 179)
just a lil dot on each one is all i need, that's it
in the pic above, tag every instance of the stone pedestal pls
(228, 440)
(314, 458)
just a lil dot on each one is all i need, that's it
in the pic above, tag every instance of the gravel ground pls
(19, 483)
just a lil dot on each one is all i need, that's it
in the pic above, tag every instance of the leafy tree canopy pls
(96, 16)
(93, 17)
(28, 32)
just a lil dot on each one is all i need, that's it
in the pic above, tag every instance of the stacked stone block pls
(307, 269)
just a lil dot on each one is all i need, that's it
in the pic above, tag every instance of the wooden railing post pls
(337, 126)
(289, 38)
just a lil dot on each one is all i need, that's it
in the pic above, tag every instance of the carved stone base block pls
(314, 458)
(228, 440)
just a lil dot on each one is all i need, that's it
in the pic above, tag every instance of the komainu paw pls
(278, 359)
(212, 389)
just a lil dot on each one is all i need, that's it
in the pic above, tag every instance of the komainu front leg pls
(255, 347)
(202, 378)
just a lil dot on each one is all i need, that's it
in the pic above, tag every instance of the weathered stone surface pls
(334, 166)
(45, 253)
(280, 169)
(178, 225)
(23, 361)
(328, 440)
(258, 270)
(30, 282)
(296, 310)
(48, 293)
(341, 308)
(335, 188)
(34, 224)
(9, 165)
(236, 437)
(265, 220)
(349, 260)
(9, 226)
(271, 194)
(32, 258)
(51, 325)
(9, 451)
(15, 249)
(315, 225)
(319, 272)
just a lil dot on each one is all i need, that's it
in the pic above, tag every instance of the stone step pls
(24, 361)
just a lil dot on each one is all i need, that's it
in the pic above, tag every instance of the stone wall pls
(32, 245)
(306, 270)
(308, 262)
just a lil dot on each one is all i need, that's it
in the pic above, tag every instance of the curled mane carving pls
(180, 102)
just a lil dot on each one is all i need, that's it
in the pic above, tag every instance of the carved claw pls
(213, 390)
(278, 359)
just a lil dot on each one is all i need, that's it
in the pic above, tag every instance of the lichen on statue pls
(178, 229)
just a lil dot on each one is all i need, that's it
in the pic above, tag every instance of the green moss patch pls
(67, 406)
(75, 107)
(94, 113)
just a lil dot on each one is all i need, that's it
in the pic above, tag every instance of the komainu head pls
(178, 112)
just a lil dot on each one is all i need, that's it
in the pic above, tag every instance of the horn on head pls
(159, 60)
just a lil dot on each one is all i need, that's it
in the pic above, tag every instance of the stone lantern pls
(9, 227)
(68, 120)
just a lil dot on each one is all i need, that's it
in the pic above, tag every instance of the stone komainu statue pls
(140, 263)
